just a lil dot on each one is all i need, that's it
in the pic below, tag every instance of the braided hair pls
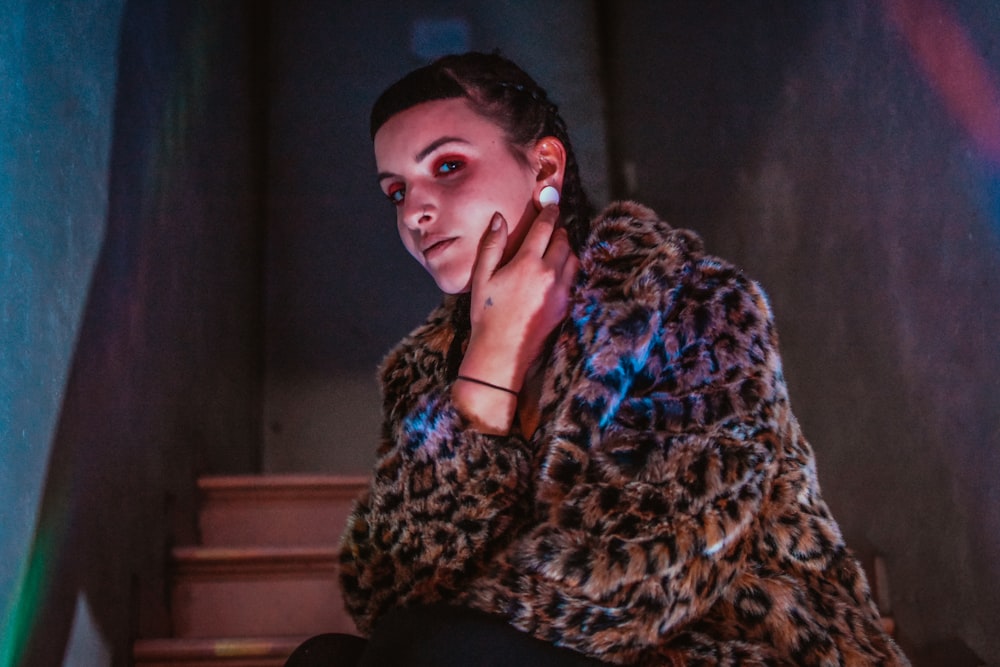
(503, 93)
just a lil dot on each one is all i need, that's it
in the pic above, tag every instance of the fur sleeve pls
(441, 499)
(660, 470)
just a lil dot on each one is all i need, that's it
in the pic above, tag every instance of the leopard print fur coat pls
(666, 511)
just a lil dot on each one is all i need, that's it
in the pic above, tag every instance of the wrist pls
(484, 383)
(493, 362)
(489, 409)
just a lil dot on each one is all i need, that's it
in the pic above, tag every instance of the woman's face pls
(448, 170)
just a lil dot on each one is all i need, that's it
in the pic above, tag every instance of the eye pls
(449, 166)
(396, 194)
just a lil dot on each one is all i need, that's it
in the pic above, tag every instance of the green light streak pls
(20, 619)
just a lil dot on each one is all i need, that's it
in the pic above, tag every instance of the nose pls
(417, 212)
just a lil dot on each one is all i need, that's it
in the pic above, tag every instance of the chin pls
(452, 289)
(452, 277)
(450, 286)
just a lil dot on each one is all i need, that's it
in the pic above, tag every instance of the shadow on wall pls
(165, 376)
(691, 92)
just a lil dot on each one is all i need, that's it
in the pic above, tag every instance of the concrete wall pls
(341, 288)
(53, 208)
(847, 154)
(130, 344)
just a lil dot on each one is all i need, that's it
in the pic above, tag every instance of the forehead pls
(404, 135)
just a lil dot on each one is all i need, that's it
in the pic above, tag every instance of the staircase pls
(264, 577)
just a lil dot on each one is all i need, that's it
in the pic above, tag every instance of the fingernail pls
(495, 222)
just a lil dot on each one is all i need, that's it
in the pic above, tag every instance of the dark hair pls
(502, 92)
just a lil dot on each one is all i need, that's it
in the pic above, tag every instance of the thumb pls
(491, 249)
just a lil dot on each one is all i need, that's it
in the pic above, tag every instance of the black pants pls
(436, 636)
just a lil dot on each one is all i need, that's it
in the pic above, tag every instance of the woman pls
(588, 445)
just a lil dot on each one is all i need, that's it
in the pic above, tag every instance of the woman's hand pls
(513, 310)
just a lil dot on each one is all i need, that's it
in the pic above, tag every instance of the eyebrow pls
(427, 150)
(434, 145)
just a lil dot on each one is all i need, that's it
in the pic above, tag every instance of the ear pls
(549, 158)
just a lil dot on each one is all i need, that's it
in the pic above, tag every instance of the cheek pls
(409, 242)
(518, 227)
(511, 199)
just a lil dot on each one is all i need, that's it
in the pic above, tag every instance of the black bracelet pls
(486, 384)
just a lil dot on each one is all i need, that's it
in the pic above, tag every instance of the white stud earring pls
(548, 195)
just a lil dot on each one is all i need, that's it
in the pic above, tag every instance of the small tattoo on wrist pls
(489, 302)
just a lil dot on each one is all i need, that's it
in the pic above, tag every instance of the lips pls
(435, 246)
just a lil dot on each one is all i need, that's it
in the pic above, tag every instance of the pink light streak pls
(946, 54)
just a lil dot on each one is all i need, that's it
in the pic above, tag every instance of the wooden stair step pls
(256, 591)
(276, 510)
(228, 652)
(213, 562)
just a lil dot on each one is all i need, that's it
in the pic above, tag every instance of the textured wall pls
(57, 82)
(847, 154)
(341, 288)
(130, 347)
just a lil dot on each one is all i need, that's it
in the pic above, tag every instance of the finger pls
(559, 247)
(567, 275)
(536, 240)
(569, 270)
(491, 249)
